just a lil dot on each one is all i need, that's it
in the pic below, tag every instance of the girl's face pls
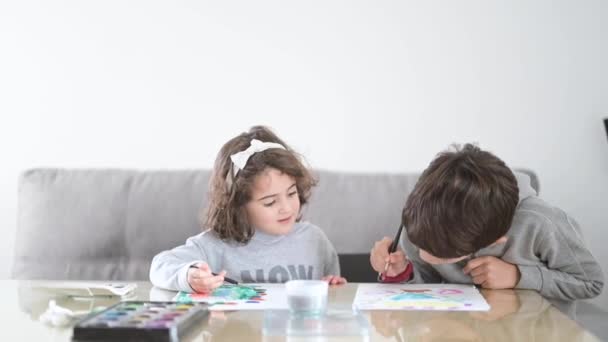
(274, 204)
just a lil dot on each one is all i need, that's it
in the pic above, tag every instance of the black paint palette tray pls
(141, 321)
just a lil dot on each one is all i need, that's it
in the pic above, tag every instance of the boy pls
(469, 219)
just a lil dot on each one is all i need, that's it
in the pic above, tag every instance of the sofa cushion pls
(108, 224)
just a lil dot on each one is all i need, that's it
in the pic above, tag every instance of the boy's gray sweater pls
(545, 244)
(304, 253)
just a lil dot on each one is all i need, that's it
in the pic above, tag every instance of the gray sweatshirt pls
(304, 253)
(545, 244)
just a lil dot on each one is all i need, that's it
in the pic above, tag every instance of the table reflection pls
(514, 316)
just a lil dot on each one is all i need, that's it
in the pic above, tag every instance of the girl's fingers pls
(328, 279)
(217, 284)
(334, 280)
(209, 286)
(208, 283)
(218, 279)
(201, 276)
(200, 272)
(202, 266)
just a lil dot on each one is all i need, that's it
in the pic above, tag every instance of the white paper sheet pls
(430, 297)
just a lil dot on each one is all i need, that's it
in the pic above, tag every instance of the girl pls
(254, 233)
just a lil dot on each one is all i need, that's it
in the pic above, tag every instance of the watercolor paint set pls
(141, 320)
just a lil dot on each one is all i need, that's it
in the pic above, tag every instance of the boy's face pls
(274, 204)
(433, 260)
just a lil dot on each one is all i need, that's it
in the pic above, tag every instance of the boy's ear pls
(500, 240)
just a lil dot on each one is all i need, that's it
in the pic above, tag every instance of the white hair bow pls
(239, 159)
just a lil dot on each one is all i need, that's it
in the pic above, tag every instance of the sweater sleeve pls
(568, 270)
(332, 263)
(169, 269)
(423, 271)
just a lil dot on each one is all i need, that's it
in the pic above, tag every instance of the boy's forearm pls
(561, 285)
(568, 270)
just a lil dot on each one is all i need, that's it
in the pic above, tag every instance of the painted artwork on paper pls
(240, 297)
(438, 297)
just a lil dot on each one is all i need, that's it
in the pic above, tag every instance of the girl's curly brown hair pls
(228, 194)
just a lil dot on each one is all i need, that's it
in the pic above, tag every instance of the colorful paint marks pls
(240, 297)
(444, 297)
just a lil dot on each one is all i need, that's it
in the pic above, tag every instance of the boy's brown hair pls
(228, 193)
(464, 201)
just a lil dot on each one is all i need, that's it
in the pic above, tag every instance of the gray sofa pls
(108, 224)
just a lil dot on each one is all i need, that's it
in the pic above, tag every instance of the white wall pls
(360, 86)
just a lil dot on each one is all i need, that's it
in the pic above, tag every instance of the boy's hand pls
(492, 273)
(201, 280)
(379, 257)
(334, 280)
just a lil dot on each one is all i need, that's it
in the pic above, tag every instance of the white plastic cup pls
(306, 297)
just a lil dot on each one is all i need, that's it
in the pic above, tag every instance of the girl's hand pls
(334, 280)
(201, 280)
